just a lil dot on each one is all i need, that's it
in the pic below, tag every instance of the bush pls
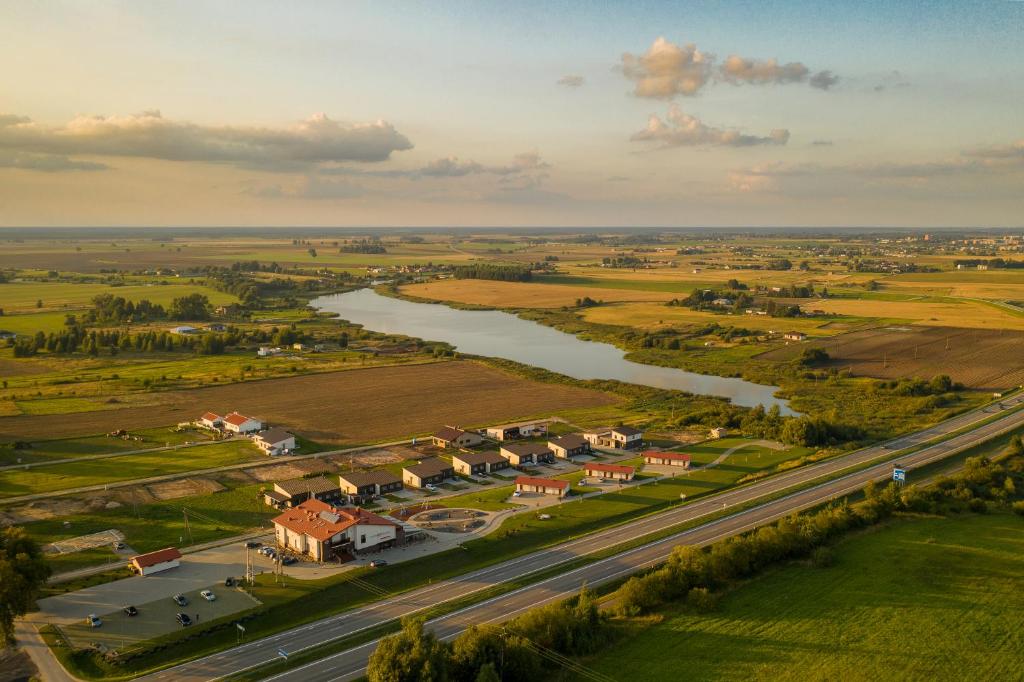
(823, 557)
(701, 600)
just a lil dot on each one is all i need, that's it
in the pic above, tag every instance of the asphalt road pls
(351, 663)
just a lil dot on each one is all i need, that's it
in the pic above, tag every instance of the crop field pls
(72, 448)
(523, 294)
(23, 296)
(981, 359)
(126, 467)
(659, 316)
(920, 599)
(961, 313)
(356, 406)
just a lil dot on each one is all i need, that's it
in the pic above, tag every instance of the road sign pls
(899, 475)
(282, 653)
(240, 627)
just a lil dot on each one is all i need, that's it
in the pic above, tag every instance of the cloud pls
(821, 143)
(667, 70)
(823, 80)
(315, 140)
(46, 163)
(1010, 152)
(679, 129)
(738, 70)
(572, 81)
(451, 167)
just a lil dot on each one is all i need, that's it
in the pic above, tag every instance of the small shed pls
(155, 562)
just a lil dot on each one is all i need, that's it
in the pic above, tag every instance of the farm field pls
(980, 359)
(126, 467)
(21, 297)
(921, 598)
(655, 316)
(972, 314)
(355, 406)
(522, 294)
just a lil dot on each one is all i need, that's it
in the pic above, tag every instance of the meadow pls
(921, 598)
(521, 294)
(23, 297)
(90, 472)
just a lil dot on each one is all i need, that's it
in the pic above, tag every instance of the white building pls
(274, 441)
(239, 423)
(322, 532)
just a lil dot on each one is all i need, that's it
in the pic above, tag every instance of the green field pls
(23, 296)
(124, 468)
(920, 599)
(69, 448)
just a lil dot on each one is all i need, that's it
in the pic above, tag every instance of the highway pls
(351, 663)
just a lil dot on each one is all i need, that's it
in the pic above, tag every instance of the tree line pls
(501, 273)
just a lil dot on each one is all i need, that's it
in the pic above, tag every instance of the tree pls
(488, 674)
(191, 307)
(23, 570)
(412, 655)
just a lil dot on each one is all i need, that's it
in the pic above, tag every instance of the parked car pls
(517, 494)
(229, 582)
(267, 551)
(183, 619)
(253, 544)
(289, 560)
(131, 611)
(118, 546)
(93, 620)
(180, 600)
(378, 563)
(430, 486)
(208, 595)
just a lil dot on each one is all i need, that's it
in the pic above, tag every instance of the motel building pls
(544, 486)
(671, 459)
(155, 562)
(614, 472)
(323, 532)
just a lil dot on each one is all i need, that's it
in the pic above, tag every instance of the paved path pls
(50, 670)
(827, 480)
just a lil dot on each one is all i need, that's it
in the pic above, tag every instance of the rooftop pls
(474, 458)
(547, 482)
(237, 419)
(321, 521)
(429, 467)
(522, 449)
(157, 557)
(448, 433)
(318, 484)
(274, 435)
(569, 441)
(377, 476)
(610, 468)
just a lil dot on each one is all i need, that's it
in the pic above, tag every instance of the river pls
(503, 335)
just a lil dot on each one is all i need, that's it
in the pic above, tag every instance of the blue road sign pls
(282, 653)
(899, 475)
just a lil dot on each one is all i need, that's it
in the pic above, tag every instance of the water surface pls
(503, 335)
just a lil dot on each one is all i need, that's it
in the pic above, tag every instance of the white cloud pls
(572, 81)
(679, 129)
(316, 140)
(46, 163)
(667, 70)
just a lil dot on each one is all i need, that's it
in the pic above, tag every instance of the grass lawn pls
(161, 524)
(68, 448)
(23, 296)
(922, 599)
(128, 467)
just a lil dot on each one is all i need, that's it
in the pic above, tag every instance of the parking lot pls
(157, 617)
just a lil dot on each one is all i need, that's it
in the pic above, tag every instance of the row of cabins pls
(619, 437)
(273, 441)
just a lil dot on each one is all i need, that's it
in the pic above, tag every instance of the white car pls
(208, 595)
(93, 620)
(430, 486)
(517, 494)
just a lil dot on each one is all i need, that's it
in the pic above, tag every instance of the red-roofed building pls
(321, 531)
(618, 472)
(211, 420)
(154, 562)
(545, 486)
(670, 459)
(239, 423)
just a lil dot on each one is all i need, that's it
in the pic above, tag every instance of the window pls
(362, 539)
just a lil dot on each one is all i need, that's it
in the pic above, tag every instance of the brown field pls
(184, 487)
(523, 294)
(980, 359)
(947, 314)
(355, 406)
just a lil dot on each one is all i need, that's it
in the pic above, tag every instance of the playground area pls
(450, 520)
(105, 538)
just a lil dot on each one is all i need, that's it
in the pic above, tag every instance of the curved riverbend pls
(503, 335)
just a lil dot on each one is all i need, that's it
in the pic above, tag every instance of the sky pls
(512, 114)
